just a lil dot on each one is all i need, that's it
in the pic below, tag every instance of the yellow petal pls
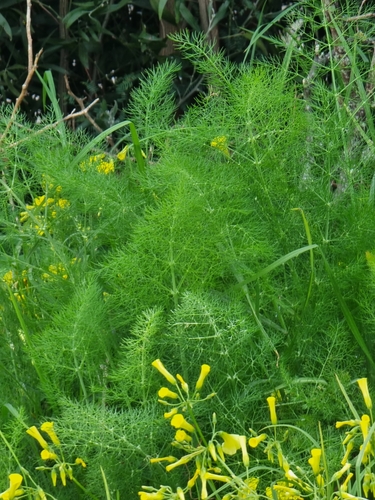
(272, 406)
(33, 431)
(164, 392)
(205, 370)
(47, 427)
(254, 441)
(48, 455)
(362, 382)
(161, 368)
(178, 421)
(231, 444)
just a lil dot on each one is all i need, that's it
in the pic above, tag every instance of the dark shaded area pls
(103, 47)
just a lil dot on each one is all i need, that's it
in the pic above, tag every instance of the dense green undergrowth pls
(241, 237)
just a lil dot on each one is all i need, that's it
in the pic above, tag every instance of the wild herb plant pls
(238, 236)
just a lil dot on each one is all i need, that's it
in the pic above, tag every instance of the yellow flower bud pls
(48, 455)
(205, 370)
(217, 477)
(181, 436)
(33, 431)
(62, 474)
(163, 459)
(362, 382)
(54, 476)
(314, 461)
(272, 406)
(184, 385)
(161, 368)
(337, 475)
(254, 441)
(164, 392)
(170, 414)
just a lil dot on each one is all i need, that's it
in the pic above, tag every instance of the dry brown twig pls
(81, 104)
(71, 116)
(30, 73)
(32, 66)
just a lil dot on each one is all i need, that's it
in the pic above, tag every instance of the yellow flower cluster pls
(102, 165)
(221, 143)
(37, 213)
(53, 453)
(18, 283)
(55, 270)
(209, 456)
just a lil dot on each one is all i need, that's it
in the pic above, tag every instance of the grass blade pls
(274, 265)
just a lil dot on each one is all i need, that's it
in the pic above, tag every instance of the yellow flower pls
(106, 167)
(122, 154)
(212, 450)
(164, 392)
(362, 382)
(144, 495)
(272, 406)
(178, 421)
(8, 278)
(24, 216)
(193, 480)
(39, 201)
(184, 385)
(180, 493)
(352, 423)
(33, 431)
(181, 436)
(79, 461)
(347, 453)
(162, 459)
(170, 414)
(231, 443)
(47, 427)
(364, 425)
(287, 492)
(205, 370)
(40, 494)
(217, 477)
(337, 475)
(248, 489)
(160, 367)
(63, 474)
(54, 476)
(221, 144)
(48, 455)
(185, 459)
(344, 485)
(13, 490)
(314, 461)
(254, 441)
(62, 203)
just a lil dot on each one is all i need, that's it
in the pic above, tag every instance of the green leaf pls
(5, 25)
(220, 14)
(189, 18)
(274, 265)
(12, 410)
(75, 14)
(161, 6)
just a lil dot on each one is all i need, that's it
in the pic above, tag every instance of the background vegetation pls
(239, 235)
